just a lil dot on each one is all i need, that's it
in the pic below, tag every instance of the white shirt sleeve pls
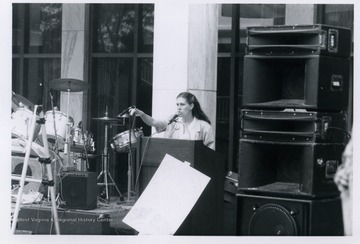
(208, 136)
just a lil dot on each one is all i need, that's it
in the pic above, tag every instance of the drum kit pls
(61, 135)
(26, 130)
(57, 123)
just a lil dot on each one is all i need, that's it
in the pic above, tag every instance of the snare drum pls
(61, 121)
(120, 141)
(21, 124)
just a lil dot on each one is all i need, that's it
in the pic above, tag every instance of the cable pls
(347, 134)
(335, 146)
(142, 159)
(143, 155)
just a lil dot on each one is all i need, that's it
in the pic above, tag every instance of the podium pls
(206, 217)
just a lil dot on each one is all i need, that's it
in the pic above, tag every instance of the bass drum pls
(58, 128)
(34, 171)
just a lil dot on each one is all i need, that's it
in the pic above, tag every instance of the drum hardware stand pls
(56, 149)
(67, 147)
(129, 158)
(47, 161)
(105, 167)
(84, 144)
(130, 164)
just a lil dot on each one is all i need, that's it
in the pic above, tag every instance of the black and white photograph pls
(178, 121)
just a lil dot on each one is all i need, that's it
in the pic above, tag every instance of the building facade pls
(144, 55)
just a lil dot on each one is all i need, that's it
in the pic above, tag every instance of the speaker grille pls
(272, 220)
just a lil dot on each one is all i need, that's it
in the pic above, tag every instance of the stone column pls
(185, 56)
(170, 56)
(72, 57)
(202, 56)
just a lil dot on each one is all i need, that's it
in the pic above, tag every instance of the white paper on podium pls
(168, 198)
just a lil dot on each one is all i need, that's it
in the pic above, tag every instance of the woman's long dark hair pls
(196, 111)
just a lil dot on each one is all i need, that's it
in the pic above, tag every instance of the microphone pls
(124, 111)
(132, 113)
(173, 119)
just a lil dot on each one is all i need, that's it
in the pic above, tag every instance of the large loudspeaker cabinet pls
(300, 66)
(309, 82)
(299, 40)
(293, 130)
(289, 169)
(78, 189)
(293, 126)
(272, 216)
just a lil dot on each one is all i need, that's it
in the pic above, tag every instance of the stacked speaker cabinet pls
(293, 130)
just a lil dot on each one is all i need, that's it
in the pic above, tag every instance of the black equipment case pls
(299, 39)
(311, 82)
(293, 126)
(302, 170)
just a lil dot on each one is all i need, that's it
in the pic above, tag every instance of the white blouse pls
(197, 130)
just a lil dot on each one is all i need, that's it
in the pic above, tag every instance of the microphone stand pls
(132, 119)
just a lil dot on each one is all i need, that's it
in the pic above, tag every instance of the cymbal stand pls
(68, 129)
(85, 149)
(56, 146)
(105, 167)
(45, 160)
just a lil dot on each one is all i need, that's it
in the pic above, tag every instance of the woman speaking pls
(189, 123)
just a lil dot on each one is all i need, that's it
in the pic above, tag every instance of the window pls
(233, 21)
(36, 51)
(120, 69)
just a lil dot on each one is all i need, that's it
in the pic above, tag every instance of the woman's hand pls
(341, 179)
(135, 111)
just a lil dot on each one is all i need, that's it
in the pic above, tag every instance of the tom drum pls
(21, 124)
(58, 128)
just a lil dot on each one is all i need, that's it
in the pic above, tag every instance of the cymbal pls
(17, 100)
(107, 119)
(67, 84)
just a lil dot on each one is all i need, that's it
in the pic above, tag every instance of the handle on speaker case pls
(279, 133)
(296, 116)
(336, 83)
(333, 39)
